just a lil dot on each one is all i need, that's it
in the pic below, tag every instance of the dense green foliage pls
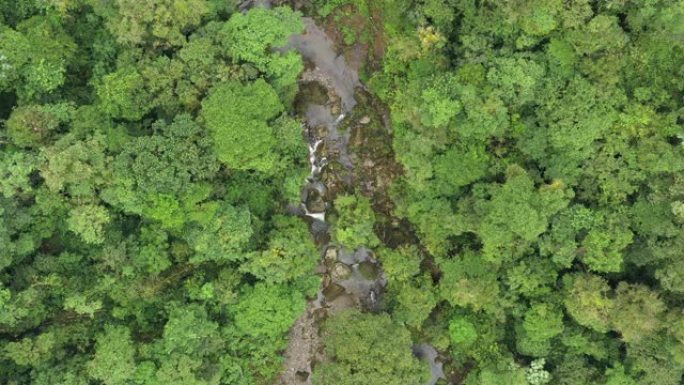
(357, 358)
(543, 159)
(354, 227)
(146, 150)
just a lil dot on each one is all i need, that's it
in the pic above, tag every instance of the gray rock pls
(331, 254)
(340, 271)
(332, 291)
(369, 270)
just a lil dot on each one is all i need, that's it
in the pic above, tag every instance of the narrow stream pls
(350, 278)
(429, 354)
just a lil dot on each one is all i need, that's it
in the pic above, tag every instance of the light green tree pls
(352, 339)
(238, 117)
(163, 22)
(122, 94)
(588, 301)
(254, 36)
(114, 360)
(637, 312)
(89, 221)
(355, 221)
(268, 311)
(290, 254)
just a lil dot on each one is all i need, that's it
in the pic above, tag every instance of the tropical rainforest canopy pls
(149, 150)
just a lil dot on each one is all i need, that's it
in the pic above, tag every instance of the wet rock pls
(316, 47)
(428, 353)
(315, 75)
(313, 197)
(346, 257)
(296, 210)
(344, 301)
(319, 230)
(369, 270)
(340, 271)
(320, 269)
(319, 119)
(314, 187)
(312, 92)
(336, 177)
(327, 279)
(302, 376)
(329, 89)
(245, 5)
(363, 254)
(319, 314)
(330, 254)
(373, 300)
(332, 291)
(315, 203)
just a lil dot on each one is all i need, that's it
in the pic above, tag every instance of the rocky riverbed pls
(349, 140)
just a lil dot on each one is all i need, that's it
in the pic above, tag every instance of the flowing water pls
(428, 353)
(329, 90)
(317, 48)
(245, 5)
(351, 278)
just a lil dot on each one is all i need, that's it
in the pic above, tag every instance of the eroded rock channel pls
(350, 278)
(349, 149)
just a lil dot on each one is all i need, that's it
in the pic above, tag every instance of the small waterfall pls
(350, 278)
